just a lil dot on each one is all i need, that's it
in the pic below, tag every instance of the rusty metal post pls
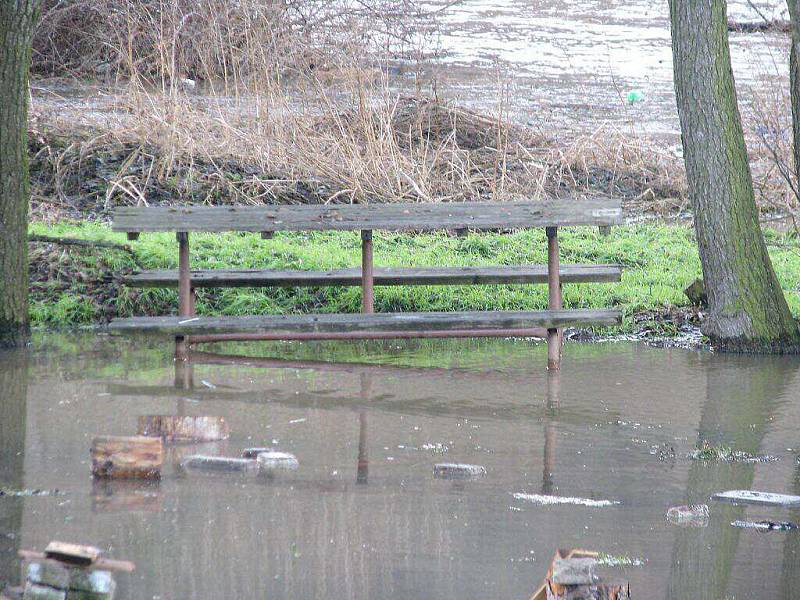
(367, 287)
(554, 301)
(184, 290)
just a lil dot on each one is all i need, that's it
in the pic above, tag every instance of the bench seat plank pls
(382, 276)
(384, 216)
(378, 322)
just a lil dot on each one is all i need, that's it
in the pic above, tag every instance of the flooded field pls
(562, 67)
(363, 515)
(571, 63)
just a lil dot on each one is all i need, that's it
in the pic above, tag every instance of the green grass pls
(659, 262)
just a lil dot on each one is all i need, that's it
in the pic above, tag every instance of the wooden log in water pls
(116, 457)
(184, 429)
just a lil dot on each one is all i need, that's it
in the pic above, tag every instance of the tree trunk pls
(794, 82)
(747, 309)
(17, 21)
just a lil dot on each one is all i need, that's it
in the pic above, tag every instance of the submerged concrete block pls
(271, 461)
(219, 463)
(48, 573)
(34, 591)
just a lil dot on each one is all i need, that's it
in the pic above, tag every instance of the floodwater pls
(564, 67)
(363, 516)
(570, 64)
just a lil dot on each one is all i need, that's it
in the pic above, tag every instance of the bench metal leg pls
(367, 287)
(185, 303)
(554, 301)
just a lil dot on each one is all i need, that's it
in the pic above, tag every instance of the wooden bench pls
(187, 328)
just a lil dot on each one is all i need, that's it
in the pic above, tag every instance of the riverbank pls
(82, 285)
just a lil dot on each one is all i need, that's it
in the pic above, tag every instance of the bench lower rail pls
(433, 324)
(527, 274)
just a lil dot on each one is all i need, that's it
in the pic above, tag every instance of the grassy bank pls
(77, 285)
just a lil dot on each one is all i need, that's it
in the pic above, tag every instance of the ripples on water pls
(363, 516)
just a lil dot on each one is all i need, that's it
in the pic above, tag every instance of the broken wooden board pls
(116, 457)
(74, 554)
(758, 498)
(184, 429)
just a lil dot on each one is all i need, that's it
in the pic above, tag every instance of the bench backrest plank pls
(355, 217)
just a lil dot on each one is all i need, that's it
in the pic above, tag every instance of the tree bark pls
(17, 22)
(794, 82)
(747, 309)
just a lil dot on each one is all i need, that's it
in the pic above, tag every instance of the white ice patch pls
(542, 500)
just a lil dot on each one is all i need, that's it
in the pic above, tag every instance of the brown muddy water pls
(363, 516)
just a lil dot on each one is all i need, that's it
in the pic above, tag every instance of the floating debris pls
(610, 560)
(269, 461)
(572, 575)
(436, 448)
(765, 525)
(184, 429)
(693, 515)
(664, 452)
(8, 493)
(295, 421)
(219, 463)
(254, 452)
(543, 500)
(727, 454)
(758, 498)
(138, 457)
(457, 471)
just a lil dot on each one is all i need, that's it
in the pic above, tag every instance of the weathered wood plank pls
(72, 553)
(385, 276)
(355, 217)
(400, 322)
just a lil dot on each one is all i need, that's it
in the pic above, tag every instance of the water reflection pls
(13, 411)
(362, 467)
(742, 397)
(550, 430)
(363, 516)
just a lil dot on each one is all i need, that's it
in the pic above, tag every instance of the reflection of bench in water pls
(188, 329)
(410, 390)
(370, 396)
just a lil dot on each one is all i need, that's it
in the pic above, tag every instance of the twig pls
(78, 242)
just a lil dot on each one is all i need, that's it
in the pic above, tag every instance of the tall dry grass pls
(254, 101)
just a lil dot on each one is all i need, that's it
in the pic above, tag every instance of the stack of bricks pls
(48, 579)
